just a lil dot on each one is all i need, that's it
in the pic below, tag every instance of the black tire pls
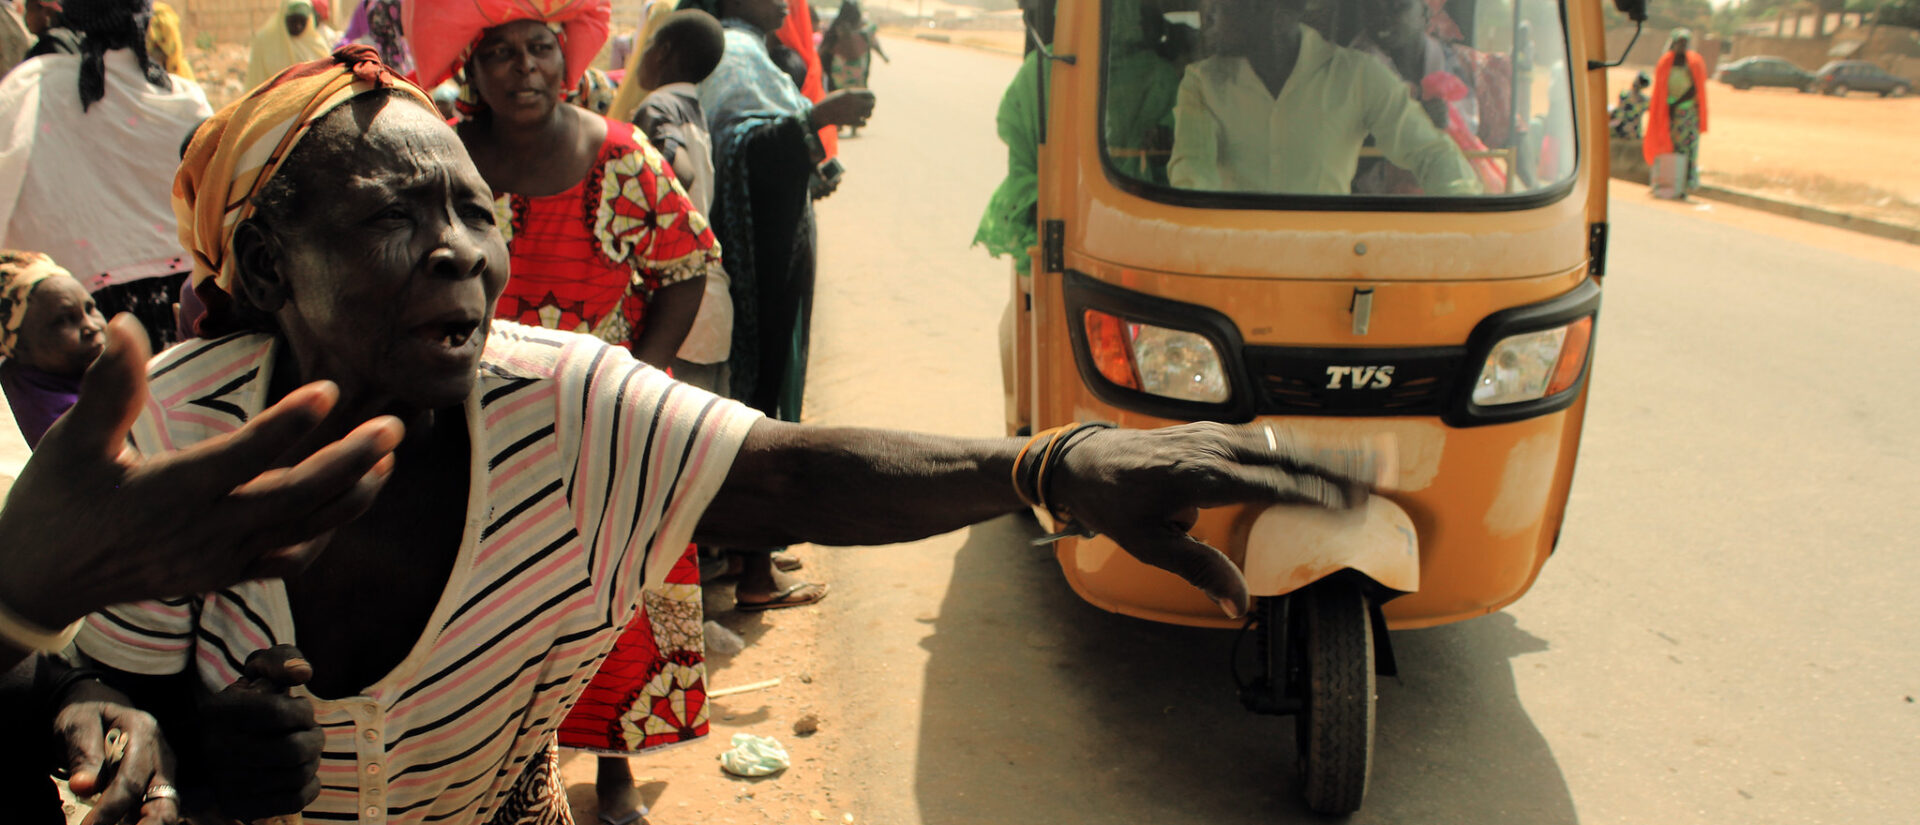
(1335, 728)
(1838, 90)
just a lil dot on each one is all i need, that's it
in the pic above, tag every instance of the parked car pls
(1843, 76)
(1748, 72)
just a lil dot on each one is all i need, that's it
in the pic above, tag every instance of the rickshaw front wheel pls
(1333, 651)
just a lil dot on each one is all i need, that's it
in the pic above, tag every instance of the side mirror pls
(1635, 10)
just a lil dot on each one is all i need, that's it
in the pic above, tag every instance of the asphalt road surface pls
(1725, 636)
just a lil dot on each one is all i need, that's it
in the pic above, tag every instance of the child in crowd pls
(681, 53)
(50, 331)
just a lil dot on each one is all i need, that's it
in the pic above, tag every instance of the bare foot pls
(613, 785)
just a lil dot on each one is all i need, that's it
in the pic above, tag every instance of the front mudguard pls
(1292, 546)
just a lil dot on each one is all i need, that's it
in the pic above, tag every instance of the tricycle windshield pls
(1345, 104)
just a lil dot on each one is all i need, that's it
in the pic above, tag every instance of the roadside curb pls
(1627, 165)
(1815, 214)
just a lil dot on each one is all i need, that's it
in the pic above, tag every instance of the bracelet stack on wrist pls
(26, 635)
(1033, 474)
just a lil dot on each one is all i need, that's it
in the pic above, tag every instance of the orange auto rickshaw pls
(1393, 231)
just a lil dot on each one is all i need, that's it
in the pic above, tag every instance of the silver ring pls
(167, 792)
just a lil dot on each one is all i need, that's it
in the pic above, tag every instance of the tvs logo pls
(1360, 378)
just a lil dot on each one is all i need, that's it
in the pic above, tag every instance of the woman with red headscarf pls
(603, 241)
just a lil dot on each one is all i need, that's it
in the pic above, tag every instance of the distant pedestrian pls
(1679, 113)
(847, 50)
(1624, 119)
(294, 35)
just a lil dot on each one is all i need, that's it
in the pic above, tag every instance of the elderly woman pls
(88, 147)
(545, 476)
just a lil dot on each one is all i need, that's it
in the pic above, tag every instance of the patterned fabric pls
(1685, 134)
(596, 275)
(651, 690)
(164, 43)
(1624, 120)
(588, 259)
(377, 23)
(590, 472)
(20, 272)
(850, 72)
(593, 93)
(239, 149)
(442, 33)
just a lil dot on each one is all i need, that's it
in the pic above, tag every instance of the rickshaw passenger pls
(1141, 88)
(1288, 112)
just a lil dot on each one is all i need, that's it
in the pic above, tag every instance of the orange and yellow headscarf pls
(239, 149)
(20, 272)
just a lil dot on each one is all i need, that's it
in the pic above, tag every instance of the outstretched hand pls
(92, 523)
(1144, 489)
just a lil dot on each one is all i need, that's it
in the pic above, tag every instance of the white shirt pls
(1231, 134)
(94, 189)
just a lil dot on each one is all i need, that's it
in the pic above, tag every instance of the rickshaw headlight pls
(1170, 363)
(1178, 364)
(1533, 365)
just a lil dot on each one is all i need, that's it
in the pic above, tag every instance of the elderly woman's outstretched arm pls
(848, 486)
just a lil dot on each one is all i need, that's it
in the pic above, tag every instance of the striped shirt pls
(589, 473)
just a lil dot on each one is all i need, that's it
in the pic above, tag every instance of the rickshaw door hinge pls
(1053, 245)
(1597, 249)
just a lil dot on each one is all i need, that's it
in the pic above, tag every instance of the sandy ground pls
(1858, 153)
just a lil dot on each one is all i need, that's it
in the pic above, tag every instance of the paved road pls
(1725, 636)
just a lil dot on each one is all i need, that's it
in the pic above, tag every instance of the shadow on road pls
(1041, 708)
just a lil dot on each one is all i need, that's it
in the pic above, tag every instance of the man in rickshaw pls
(1278, 108)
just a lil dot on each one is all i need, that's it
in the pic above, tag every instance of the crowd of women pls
(357, 374)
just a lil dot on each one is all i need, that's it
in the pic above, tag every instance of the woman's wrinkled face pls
(519, 71)
(63, 331)
(390, 276)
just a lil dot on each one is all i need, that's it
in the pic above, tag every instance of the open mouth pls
(452, 334)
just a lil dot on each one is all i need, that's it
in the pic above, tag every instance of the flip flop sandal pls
(799, 595)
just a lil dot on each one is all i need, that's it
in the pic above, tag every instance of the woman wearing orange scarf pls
(1679, 114)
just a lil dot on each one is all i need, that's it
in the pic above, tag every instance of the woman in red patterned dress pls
(603, 241)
